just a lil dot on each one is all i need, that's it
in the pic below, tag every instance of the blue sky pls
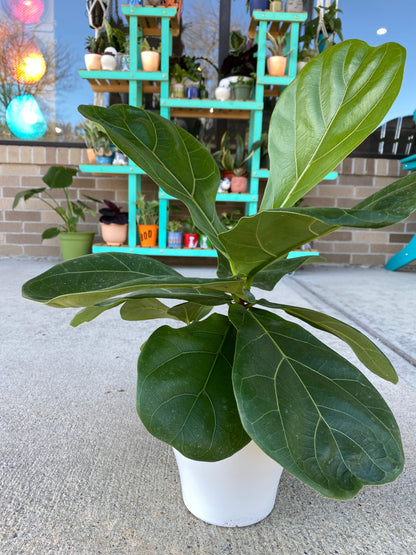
(360, 19)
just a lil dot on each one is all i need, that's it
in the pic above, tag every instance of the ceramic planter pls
(104, 159)
(108, 62)
(191, 240)
(237, 491)
(204, 242)
(222, 93)
(175, 239)
(238, 184)
(150, 60)
(93, 62)
(294, 6)
(75, 243)
(276, 65)
(91, 156)
(258, 5)
(177, 90)
(114, 235)
(276, 6)
(148, 235)
(241, 91)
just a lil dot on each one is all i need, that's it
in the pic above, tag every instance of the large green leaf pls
(366, 350)
(271, 234)
(184, 390)
(329, 109)
(187, 312)
(310, 409)
(267, 278)
(94, 278)
(172, 157)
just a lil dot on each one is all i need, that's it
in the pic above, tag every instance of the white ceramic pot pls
(108, 62)
(237, 491)
(222, 93)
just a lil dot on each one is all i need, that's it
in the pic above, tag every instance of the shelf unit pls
(163, 23)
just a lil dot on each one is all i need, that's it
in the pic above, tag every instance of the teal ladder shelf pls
(162, 22)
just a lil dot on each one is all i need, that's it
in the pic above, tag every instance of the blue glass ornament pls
(25, 119)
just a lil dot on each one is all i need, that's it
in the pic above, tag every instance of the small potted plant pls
(191, 235)
(147, 218)
(150, 56)
(234, 165)
(73, 242)
(178, 75)
(103, 148)
(89, 132)
(174, 234)
(242, 87)
(95, 47)
(276, 63)
(114, 224)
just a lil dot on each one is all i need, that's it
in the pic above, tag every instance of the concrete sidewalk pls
(80, 474)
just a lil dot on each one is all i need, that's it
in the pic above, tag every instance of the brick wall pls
(21, 167)
(357, 179)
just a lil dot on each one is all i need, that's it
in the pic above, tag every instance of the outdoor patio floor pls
(81, 475)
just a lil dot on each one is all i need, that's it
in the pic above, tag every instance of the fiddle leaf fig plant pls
(210, 387)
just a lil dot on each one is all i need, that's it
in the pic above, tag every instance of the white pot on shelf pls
(237, 491)
(222, 93)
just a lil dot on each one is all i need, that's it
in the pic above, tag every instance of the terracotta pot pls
(276, 65)
(150, 60)
(238, 184)
(114, 235)
(148, 235)
(91, 156)
(227, 174)
(191, 240)
(93, 62)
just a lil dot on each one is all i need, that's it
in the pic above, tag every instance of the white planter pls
(108, 62)
(222, 93)
(237, 491)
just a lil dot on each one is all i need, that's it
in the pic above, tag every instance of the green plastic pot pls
(75, 243)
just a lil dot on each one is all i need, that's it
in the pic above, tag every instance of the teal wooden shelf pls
(163, 22)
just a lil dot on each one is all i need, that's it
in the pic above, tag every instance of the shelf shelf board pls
(110, 169)
(155, 251)
(279, 21)
(221, 197)
(149, 19)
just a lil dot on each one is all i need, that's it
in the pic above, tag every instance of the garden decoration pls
(226, 383)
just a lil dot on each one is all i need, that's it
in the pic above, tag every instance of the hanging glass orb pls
(26, 11)
(25, 119)
(25, 63)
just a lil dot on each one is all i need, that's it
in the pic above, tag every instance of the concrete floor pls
(80, 475)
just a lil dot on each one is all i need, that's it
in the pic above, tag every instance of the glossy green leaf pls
(271, 275)
(144, 309)
(310, 409)
(184, 390)
(338, 99)
(190, 312)
(186, 312)
(272, 234)
(92, 279)
(367, 352)
(172, 157)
